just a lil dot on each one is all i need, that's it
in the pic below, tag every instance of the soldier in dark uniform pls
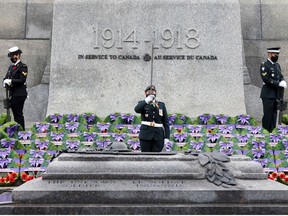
(154, 130)
(273, 82)
(15, 80)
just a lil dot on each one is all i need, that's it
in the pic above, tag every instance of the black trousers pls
(17, 104)
(270, 113)
(151, 145)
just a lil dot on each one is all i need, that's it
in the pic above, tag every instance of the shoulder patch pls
(24, 73)
(263, 68)
(264, 73)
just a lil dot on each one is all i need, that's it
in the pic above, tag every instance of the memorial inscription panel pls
(112, 50)
(120, 184)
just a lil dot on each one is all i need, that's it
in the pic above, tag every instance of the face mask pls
(274, 58)
(150, 94)
(13, 60)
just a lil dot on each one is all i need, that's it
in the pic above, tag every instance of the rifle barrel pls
(152, 58)
(8, 105)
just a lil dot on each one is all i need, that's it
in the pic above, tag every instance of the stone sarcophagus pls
(148, 183)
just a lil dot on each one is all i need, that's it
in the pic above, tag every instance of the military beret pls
(274, 50)
(13, 50)
(151, 87)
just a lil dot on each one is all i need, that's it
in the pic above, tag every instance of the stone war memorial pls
(98, 61)
(103, 55)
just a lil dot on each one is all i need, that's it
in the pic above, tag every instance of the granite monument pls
(192, 49)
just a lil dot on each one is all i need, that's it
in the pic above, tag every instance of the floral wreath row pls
(128, 118)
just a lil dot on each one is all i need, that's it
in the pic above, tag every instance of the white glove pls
(7, 81)
(166, 140)
(283, 84)
(149, 98)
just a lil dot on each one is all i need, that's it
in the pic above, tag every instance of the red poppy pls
(10, 176)
(286, 179)
(274, 174)
(282, 175)
(12, 179)
(28, 178)
(2, 180)
(14, 175)
(24, 176)
(271, 178)
(14, 67)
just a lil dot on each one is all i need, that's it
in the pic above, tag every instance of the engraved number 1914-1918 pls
(109, 38)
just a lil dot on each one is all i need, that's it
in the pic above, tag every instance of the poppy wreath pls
(74, 128)
(90, 118)
(11, 129)
(127, 119)
(111, 118)
(133, 144)
(35, 160)
(197, 145)
(3, 118)
(281, 177)
(8, 179)
(55, 119)
(9, 164)
(181, 141)
(26, 176)
(226, 146)
(13, 144)
(179, 119)
(40, 128)
(103, 142)
(102, 127)
(73, 117)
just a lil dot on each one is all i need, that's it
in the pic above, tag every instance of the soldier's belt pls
(151, 124)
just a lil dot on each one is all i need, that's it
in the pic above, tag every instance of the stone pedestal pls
(131, 183)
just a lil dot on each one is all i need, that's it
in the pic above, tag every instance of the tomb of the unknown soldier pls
(89, 64)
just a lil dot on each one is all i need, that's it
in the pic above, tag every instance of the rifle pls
(147, 57)
(152, 59)
(281, 106)
(7, 103)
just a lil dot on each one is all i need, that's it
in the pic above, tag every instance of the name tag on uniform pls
(160, 112)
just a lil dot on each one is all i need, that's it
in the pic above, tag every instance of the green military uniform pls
(271, 76)
(154, 127)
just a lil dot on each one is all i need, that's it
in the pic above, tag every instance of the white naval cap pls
(274, 50)
(14, 49)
